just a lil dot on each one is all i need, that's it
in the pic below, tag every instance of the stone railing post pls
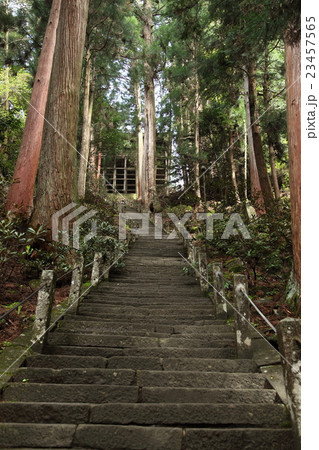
(43, 309)
(97, 265)
(76, 285)
(219, 293)
(289, 341)
(121, 208)
(243, 337)
(105, 270)
(202, 267)
(190, 251)
(195, 261)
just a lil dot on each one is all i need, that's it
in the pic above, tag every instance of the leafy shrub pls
(16, 245)
(269, 248)
(179, 210)
(106, 241)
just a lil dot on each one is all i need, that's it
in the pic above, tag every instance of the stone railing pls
(288, 330)
(100, 272)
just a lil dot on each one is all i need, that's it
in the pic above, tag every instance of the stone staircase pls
(144, 365)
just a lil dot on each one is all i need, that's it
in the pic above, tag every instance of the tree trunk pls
(293, 85)
(149, 125)
(254, 177)
(86, 127)
(57, 177)
(233, 167)
(20, 198)
(274, 177)
(99, 163)
(245, 162)
(7, 83)
(259, 155)
(197, 136)
(99, 159)
(92, 167)
(140, 143)
(272, 154)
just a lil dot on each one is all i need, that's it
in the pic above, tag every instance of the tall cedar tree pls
(293, 85)
(149, 109)
(57, 174)
(20, 197)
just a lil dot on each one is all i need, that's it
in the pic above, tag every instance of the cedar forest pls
(180, 105)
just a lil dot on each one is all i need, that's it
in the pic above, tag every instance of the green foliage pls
(106, 241)
(22, 249)
(16, 90)
(268, 249)
(179, 210)
(16, 245)
(12, 306)
(187, 270)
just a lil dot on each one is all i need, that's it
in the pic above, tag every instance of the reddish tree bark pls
(293, 84)
(20, 197)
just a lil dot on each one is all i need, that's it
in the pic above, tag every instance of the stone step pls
(182, 364)
(39, 436)
(148, 294)
(44, 412)
(148, 301)
(163, 250)
(155, 281)
(134, 271)
(203, 329)
(36, 435)
(157, 352)
(95, 340)
(188, 414)
(137, 333)
(153, 285)
(150, 378)
(59, 361)
(196, 379)
(71, 325)
(123, 326)
(74, 321)
(117, 287)
(169, 292)
(70, 393)
(237, 438)
(108, 331)
(122, 377)
(169, 321)
(128, 320)
(159, 252)
(88, 393)
(151, 265)
(143, 310)
(158, 260)
(168, 318)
